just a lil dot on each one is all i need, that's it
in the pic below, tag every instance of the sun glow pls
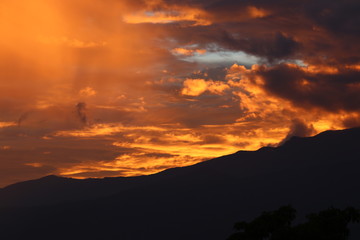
(124, 88)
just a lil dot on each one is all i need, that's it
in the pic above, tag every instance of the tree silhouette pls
(330, 224)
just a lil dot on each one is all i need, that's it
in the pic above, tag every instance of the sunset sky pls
(106, 88)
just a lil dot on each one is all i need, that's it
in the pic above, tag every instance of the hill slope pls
(197, 202)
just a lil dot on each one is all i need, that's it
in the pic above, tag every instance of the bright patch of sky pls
(223, 58)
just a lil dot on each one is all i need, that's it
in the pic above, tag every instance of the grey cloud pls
(81, 112)
(299, 129)
(330, 91)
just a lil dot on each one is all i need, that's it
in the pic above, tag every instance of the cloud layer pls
(122, 88)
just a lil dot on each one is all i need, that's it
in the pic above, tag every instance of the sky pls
(108, 88)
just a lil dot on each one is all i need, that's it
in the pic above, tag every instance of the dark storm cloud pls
(276, 46)
(315, 31)
(338, 17)
(330, 91)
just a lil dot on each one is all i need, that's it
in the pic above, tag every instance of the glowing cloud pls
(87, 92)
(188, 52)
(195, 17)
(195, 87)
(7, 124)
(122, 88)
(257, 12)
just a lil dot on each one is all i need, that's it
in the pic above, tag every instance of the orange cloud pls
(169, 14)
(7, 124)
(188, 52)
(124, 165)
(108, 88)
(87, 92)
(259, 103)
(195, 87)
(257, 12)
(36, 165)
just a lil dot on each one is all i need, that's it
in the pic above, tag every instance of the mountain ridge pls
(203, 201)
(32, 187)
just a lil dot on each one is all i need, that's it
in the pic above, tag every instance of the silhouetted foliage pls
(330, 224)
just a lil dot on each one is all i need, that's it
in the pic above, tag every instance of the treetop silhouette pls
(330, 224)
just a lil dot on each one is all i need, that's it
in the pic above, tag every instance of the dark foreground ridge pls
(197, 202)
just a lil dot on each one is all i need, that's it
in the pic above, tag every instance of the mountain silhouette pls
(196, 202)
